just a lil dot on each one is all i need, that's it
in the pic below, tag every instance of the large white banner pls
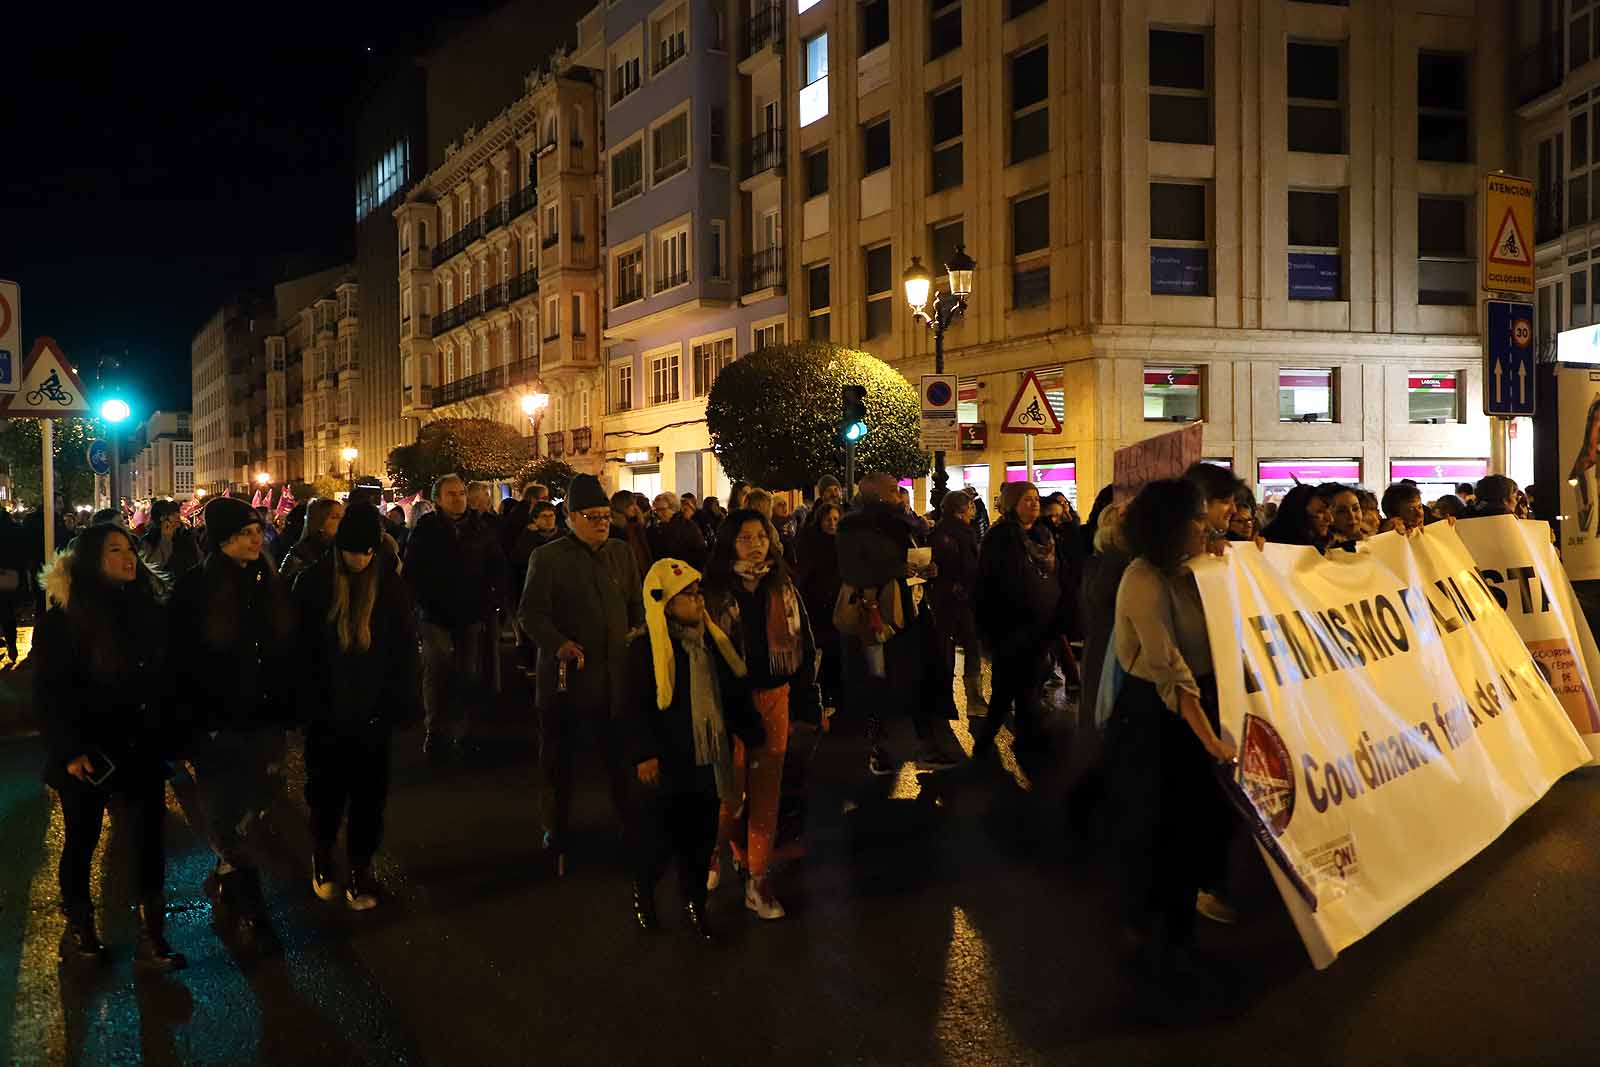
(1390, 721)
(1517, 560)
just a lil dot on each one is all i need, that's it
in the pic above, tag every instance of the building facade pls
(222, 381)
(1261, 216)
(694, 177)
(162, 457)
(499, 266)
(313, 372)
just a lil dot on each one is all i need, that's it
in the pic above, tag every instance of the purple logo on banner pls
(1313, 276)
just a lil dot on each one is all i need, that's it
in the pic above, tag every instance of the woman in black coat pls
(1019, 599)
(98, 653)
(322, 519)
(817, 575)
(233, 619)
(358, 648)
(953, 591)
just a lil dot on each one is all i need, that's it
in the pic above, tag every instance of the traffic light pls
(853, 422)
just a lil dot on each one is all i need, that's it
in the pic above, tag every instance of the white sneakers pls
(764, 904)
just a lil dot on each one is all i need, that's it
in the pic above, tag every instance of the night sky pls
(154, 163)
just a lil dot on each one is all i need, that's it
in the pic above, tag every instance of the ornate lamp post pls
(946, 304)
(533, 405)
(350, 455)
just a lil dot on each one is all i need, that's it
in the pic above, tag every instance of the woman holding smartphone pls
(99, 652)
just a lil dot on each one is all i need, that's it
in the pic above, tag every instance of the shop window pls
(1173, 393)
(1431, 397)
(1307, 394)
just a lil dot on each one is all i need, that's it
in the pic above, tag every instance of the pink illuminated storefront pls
(1436, 477)
(1275, 477)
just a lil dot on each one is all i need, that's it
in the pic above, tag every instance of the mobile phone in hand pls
(101, 768)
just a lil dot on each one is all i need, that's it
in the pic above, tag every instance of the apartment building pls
(161, 463)
(1259, 216)
(222, 357)
(695, 166)
(499, 265)
(311, 378)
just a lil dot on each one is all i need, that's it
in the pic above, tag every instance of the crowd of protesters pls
(691, 644)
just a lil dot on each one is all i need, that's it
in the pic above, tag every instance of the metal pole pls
(1027, 455)
(941, 477)
(47, 436)
(849, 471)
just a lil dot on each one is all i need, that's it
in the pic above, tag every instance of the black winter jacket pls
(345, 689)
(117, 713)
(456, 568)
(233, 628)
(650, 732)
(1018, 600)
(678, 538)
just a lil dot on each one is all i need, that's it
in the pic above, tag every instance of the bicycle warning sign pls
(48, 389)
(1030, 411)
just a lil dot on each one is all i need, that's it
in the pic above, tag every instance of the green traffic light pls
(855, 431)
(115, 410)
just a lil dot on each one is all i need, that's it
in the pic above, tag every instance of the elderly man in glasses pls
(580, 601)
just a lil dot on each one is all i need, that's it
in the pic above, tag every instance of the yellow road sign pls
(1507, 234)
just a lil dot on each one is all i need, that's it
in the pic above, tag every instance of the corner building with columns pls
(500, 279)
(1261, 216)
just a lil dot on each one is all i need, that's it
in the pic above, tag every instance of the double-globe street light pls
(350, 455)
(938, 315)
(533, 405)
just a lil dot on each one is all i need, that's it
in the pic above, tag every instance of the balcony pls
(414, 398)
(764, 27)
(518, 373)
(673, 280)
(763, 153)
(457, 242)
(524, 200)
(764, 270)
(524, 284)
(497, 216)
(668, 52)
(465, 311)
(555, 444)
(549, 240)
(582, 438)
(349, 420)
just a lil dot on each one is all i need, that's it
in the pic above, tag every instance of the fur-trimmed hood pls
(56, 579)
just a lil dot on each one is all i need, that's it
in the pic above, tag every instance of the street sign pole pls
(46, 435)
(1027, 455)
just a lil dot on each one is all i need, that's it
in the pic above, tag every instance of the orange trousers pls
(760, 786)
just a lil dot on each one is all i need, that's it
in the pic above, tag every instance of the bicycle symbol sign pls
(49, 389)
(1031, 412)
(1032, 415)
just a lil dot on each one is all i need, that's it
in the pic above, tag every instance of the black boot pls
(79, 941)
(644, 906)
(241, 890)
(152, 951)
(696, 914)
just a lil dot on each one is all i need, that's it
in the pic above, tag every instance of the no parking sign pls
(10, 334)
(939, 429)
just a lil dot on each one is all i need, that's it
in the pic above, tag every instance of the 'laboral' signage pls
(1390, 721)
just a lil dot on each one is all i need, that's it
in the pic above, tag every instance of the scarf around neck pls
(781, 616)
(707, 726)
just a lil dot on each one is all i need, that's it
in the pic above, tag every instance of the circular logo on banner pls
(939, 394)
(1522, 333)
(1267, 774)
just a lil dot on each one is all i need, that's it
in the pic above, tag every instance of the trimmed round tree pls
(774, 416)
(473, 448)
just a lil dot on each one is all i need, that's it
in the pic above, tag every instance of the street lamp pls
(350, 455)
(262, 478)
(112, 411)
(533, 405)
(946, 304)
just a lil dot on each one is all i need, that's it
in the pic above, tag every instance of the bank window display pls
(1432, 397)
(967, 401)
(1275, 477)
(1050, 475)
(1437, 477)
(1306, 394)
(1173, 393)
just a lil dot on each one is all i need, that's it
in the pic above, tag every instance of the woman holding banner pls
(1162, 740)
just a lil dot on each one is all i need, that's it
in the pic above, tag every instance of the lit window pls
(814, 94)
(1431, 396)
(1306, 394)
(672, 260)
(664, 378)
(629, 277)
(1172, 394)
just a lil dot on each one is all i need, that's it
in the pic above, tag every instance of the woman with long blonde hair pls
(359, 643)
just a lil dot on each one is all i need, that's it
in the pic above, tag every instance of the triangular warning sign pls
(49, 387)
(1510, 248)
(1030, 411)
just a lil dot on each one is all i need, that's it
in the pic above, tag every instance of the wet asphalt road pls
(923, 929)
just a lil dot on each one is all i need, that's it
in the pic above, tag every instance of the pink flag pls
(285, 501)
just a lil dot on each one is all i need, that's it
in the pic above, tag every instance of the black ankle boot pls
(696, 914)
(241, 891)
(79, 941)
(152, 951)
(644, 906)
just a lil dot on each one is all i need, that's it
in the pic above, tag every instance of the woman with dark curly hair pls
(1163, 735)
(750, 597)
(1304, 518)
(99, 654)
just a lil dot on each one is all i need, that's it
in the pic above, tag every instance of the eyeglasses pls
(596, 516)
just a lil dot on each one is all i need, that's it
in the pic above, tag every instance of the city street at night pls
(918, 933)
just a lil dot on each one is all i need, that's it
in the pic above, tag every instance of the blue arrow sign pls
(1508, 359)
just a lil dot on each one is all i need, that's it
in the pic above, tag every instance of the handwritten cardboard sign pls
(1165, 456)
